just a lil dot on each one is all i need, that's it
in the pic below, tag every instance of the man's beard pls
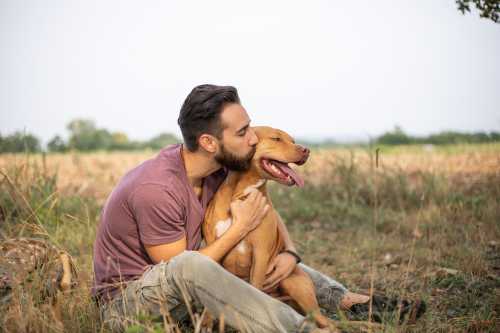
(233, 162)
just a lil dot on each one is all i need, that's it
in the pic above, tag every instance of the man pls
(147, 253)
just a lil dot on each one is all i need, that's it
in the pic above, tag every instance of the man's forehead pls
(234, 117)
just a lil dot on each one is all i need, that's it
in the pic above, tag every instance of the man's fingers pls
(264, 211)
(251, 200)
(263, 204)
(270, 279)
(263, 201)
(255, 198)
(272, 265)
(272, 283)
(251, 197)
(261, 207)
(275, 278)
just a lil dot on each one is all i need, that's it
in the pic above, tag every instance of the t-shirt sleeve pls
(159, 215)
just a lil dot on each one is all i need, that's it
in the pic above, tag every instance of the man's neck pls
(198, 165)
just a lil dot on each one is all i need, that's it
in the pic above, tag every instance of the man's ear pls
(208, 142)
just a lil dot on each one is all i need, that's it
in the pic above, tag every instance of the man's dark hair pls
(201, 111)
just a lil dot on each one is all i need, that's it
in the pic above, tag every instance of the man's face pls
(238, 143)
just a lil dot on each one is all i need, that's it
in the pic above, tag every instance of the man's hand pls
(248, 213)
(279, 268)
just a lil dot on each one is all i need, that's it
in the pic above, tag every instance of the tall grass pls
(436, 235)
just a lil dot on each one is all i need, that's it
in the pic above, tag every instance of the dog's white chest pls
(222, 226)
(242, 247)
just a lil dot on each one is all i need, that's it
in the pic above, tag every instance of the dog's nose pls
(303, 149)
(305, 154)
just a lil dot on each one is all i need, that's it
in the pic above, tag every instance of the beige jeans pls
(196, 281)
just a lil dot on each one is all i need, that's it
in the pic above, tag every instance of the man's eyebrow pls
(243, 128)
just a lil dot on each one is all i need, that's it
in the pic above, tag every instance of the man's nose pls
(253, 138)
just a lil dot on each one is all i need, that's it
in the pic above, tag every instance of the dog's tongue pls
(289, 171)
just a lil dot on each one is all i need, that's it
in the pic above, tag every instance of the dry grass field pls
(422, 222)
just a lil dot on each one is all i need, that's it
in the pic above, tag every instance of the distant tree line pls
(19, 142)
(399, 137)
(84, 136)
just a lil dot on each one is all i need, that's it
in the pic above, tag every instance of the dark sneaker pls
(383, 306)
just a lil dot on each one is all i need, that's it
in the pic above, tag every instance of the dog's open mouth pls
(282, 172)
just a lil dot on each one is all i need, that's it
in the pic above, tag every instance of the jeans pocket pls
(151, 277)
(154, 288)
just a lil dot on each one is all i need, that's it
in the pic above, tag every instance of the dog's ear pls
(261, 131)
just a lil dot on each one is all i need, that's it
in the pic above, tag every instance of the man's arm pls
(217, 250)
(247, 215)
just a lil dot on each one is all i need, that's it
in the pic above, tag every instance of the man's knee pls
(193, 263)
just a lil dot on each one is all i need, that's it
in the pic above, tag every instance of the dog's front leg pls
(260, 262)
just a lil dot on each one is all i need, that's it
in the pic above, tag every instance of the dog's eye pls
(276, 139)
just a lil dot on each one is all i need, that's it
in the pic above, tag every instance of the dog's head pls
(275, 150)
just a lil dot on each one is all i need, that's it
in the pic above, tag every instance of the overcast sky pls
(341, 69)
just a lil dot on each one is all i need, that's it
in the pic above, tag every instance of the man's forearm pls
(285, 235)
(221, 246)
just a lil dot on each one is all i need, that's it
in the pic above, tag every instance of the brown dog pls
(249, 260)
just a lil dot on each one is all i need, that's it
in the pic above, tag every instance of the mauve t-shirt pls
(152, 204)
